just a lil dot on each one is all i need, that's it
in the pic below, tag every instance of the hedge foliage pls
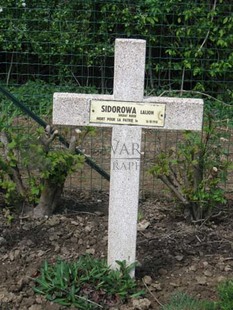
(189, 42)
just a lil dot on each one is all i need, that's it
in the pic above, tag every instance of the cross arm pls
(180, 113)
(73, 109)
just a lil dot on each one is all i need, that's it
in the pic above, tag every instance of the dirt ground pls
(173, 255)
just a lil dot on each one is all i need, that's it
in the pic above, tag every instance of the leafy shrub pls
(32, 170)
(86, 284)
(194, 171)
(189, 42)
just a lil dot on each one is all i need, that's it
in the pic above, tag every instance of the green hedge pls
(189, 42)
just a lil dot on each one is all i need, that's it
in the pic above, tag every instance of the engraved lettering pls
(135, 148)
(116, 147)
(130, 120)
(118, 109)
(125, 165)
(147, 112)
(124, 149)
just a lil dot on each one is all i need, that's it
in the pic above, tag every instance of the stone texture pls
(129, 73)
(74, 109)
(124, 195)
(181, 113)
(129, 69)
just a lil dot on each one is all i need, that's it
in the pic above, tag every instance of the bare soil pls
(174, 255)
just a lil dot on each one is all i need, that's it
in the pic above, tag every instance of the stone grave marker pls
(127, 111)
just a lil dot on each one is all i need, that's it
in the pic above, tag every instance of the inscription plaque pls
(127, 113)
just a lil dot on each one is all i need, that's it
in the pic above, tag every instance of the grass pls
(87, 283)
(182, 301)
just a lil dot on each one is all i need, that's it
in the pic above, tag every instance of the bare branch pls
(48, 137)
(182, 82)
(177, 193)
(208, 32)
(72, 144)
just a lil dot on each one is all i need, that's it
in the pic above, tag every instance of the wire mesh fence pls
(48, 46)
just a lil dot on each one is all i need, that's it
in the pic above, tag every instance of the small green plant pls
(87, 283)
(140, 215)
(182, 301)
(8, 215)
(225, 292)
(194, 171)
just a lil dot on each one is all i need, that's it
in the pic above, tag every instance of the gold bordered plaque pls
(127, 113)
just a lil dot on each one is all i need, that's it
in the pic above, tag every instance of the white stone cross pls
(127, 111)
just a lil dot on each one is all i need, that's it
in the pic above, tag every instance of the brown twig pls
(208, 32)
(47, 138)
(155, 298)
(227, 258)
(182, 82)
(167, 182)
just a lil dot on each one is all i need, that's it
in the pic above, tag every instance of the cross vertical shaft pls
(129, 72)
